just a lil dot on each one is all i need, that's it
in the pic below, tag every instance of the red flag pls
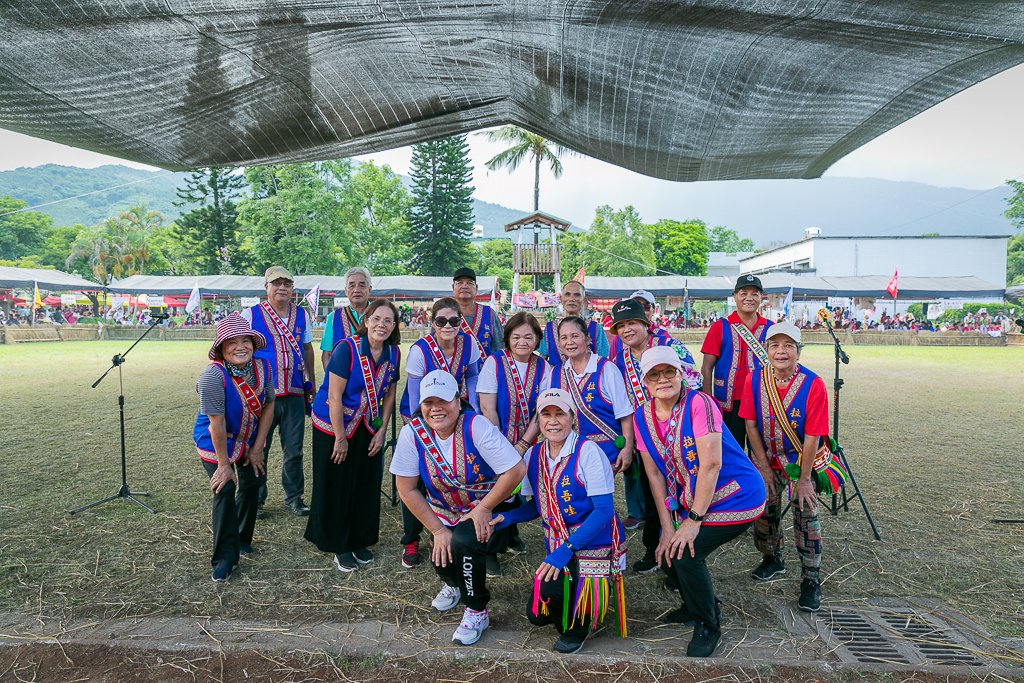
(893, 288)
(579, 277)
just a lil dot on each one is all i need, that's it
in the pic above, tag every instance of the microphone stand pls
(124, 491)
(837, 385)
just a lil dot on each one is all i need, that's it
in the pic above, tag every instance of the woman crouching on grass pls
(572, 483)
(236, 409)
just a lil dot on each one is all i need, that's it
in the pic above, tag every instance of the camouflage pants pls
(806, 530)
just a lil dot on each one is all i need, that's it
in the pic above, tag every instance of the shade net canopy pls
(702, 90)
(50, 280)
(408, 286)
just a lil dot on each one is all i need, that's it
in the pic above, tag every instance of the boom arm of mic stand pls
(839, 347)
(118, 359)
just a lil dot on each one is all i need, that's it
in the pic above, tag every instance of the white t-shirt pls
(613, 386)
(592, 467)
(488, 381)
(416, 365)
(305, 338)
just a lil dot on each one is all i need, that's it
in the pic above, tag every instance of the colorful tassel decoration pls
(566, 583)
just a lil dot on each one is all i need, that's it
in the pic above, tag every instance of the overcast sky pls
(972, 140)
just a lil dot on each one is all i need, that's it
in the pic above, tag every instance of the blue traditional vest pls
(615, 346)
(739, 493)
(344, 324)
(241, 415)
(775, 440)
(482, 327)
(463, 351)
(279, 351)
(355, 401)
(629, 367)
(469, 469)
(507, 401)
(555, 356)
(569, 494)
(594, 404)
(724, 386)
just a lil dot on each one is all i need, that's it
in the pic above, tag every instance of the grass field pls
(932, 434)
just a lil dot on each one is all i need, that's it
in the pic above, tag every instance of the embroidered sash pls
(283, 330)
(521, 416)
(638, 394)
(670, 450)
(460, 496)
(441, 362)
(472, 331)
(349, 322)
(751, 341)
(374, 385)
(773, 406)
(607, 434)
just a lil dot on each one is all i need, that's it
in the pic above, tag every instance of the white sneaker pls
(447, 598)
(472, 627)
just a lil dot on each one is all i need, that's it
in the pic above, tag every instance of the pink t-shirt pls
(705, 415)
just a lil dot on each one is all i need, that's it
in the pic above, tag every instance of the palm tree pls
(524, 143)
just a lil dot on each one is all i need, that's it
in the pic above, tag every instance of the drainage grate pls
(934, 643)
(862, 639)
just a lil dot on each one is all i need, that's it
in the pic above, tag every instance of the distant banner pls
(342, 301)
(119, 301)
(549, 300)
(155, 301)
(68, 299)
(674, 302)
(596, 304)
(840, 302)
(524, 300)
(250, 301)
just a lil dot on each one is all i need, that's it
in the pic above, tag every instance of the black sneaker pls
(810, 595)
(244, 550)
(704, 642)
(770, 566)
(672, 583)
(647, 565)
(516, 545)
(363, 556)
(682, 615)
(493, 566)
(260, 514)
(222, 573)
(566, 644)
(298, 508)
(346, 562)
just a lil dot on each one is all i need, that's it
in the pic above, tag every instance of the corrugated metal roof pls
(50, 280)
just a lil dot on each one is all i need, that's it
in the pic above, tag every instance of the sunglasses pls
(656, 375)
(445, 322)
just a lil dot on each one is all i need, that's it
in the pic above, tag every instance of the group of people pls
(506, 422)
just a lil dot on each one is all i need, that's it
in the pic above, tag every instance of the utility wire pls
(623, 258)
(78, 196)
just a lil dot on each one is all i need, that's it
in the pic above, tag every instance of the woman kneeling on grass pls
(236, 409)
(571, 482)
(710, 490)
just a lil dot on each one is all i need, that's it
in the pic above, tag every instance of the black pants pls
(290, 424)
(344, 510)
(234, 518)
(412, 527)
(736, 424)
(553, 593)
(467, 570)
(652, 523)
(692, 571)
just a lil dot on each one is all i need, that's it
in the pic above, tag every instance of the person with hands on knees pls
(803, 397)
(236, 409)
(358, 394)
(709, 491)
(572, 484)
(467, 468)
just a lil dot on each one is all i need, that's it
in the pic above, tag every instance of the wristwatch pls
(695, 517)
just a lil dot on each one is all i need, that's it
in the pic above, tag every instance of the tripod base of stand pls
(1008, 521)
(123, 492)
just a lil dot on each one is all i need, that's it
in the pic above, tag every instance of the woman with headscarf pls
(358, 394)
(236, 409)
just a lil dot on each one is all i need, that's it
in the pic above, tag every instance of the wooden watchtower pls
(537, 259)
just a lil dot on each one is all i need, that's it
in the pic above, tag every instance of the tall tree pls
(441, 218)
(22, 233)
(523, 143)
(723, 239)
(210, 229)
(1015, 212)
(618, 244)
(681, 247)
(382, 231)
(299, 216)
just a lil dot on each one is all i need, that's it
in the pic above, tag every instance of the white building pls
(942, 256)
(725, 263)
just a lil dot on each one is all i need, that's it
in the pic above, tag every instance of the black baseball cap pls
(628, 309)
(747, 281)
(465, 272)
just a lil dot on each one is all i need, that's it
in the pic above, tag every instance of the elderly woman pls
(358, 394)
(446, 348)
(236, 409)
(711, 492)
(467, 468)
(803, 397)
(572, 485)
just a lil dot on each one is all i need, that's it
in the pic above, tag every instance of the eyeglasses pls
(381, 321)
(668, 373)
(445, 322)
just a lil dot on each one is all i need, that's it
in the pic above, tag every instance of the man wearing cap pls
(630, 325)
(343, 323)
(468, 468)
(733, 348)
(574, 302)
(803, 396)
(479, 321)
(236, 408)
(290, 352)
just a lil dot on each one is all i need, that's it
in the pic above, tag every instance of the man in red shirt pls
(728, 357)
(801, 397)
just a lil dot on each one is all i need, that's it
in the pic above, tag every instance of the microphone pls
(824, 315)
(160, 316)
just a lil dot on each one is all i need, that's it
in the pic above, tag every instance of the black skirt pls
(344, 512)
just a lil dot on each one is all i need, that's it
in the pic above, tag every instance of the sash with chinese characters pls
(475, 329)
(459, 497)
(282, 328)
(607, 434)
(442, 363)
(521, 416)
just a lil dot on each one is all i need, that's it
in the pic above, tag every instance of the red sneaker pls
(411, 556)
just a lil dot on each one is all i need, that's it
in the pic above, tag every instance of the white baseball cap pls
(556, 397)
(659, 355)
(438, 384)
(643, 294)
(788, 329)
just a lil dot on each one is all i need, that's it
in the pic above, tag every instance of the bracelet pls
(522, 443)
(569, 546)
